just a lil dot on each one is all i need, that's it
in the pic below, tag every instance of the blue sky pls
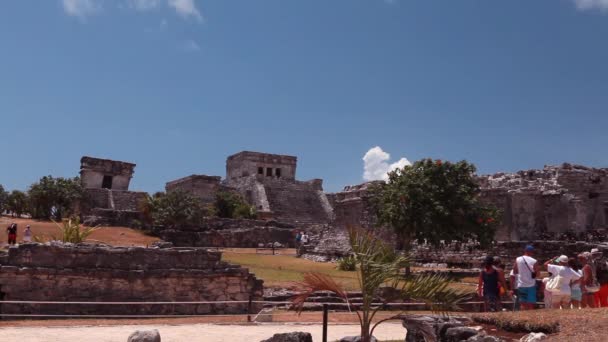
(176, 86)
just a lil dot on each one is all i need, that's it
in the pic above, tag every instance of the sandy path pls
(190, 332)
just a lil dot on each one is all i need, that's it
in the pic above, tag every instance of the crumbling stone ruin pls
(549, 203)
(108, 200)
(266, 181)
(223, 232)
(67, 272)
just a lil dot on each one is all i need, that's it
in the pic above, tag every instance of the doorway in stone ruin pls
(278, 172)
(268, 172)
(107, 182)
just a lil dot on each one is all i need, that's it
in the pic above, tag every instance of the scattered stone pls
(144, 336)
(290, 337)
(162, 244)
(534, 337)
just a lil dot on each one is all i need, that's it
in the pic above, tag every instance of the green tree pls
(433, 200)
(17, 202)
(378, 266)
(59, 193)
(229, 204)
(3, 199)
(173, 209)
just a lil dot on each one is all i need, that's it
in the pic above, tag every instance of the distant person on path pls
(488, 288)
(12, 233)
(526, 269)
(601, 272)
(305, 238)
(27, 234)
(298, 238)
(559, 267)
(513, 292)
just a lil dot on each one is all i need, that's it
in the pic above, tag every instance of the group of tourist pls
(301, 239)
(12, 230)
(580, 282)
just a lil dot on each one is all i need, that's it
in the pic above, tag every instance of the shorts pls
(577, 294)
(527, 294)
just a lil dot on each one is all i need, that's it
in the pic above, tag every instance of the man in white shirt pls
(527, 270)
(561, 296)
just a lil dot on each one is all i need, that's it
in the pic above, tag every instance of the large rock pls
(534, 337)
(458, 334)
(290, 337)
(355, 339)
(144, 336)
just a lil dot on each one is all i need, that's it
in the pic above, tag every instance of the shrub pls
(347, 263)
(72, 232)
(54, 197)
(176, 208)
(229, 204)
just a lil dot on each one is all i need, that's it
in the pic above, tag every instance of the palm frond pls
(313, 282)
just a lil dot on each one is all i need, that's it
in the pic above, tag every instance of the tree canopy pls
(17, 203)
(58, 193)
(433, 200)
(3, 199)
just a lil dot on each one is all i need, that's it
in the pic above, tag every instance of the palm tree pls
(379, 265)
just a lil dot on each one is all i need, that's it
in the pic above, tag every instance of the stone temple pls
(268, 182)
(108, 199)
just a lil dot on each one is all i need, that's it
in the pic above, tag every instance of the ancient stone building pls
(90, 273)
(201, 186)
(549, 202)
(266, 181)
(96, 173)
(108, 200)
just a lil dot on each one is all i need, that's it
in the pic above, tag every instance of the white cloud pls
(81, 8)
(191, 46)
(376, 164)
(143, 5)
(186, 8)
(586, 5)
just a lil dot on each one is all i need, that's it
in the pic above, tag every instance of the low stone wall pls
(90, 273)
(465, 255)
(110, 217)
(221, 232)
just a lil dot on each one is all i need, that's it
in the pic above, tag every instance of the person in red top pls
(12, 233)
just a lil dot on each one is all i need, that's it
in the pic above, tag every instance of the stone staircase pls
(297, 203)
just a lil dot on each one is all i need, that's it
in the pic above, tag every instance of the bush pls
(54, 197)
(173, 209)
(347, 263)
(72, 232)
(229, 204)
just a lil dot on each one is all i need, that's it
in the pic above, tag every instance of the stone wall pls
(111, 207)
(201, 186)
(470, 255)
(550, 202)
(222, 232)
(36, 272)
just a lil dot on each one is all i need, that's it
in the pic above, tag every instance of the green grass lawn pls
(286, 270)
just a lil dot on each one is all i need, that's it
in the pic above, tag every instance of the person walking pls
(601, 272)
(589, 282)
(559, 284)
(489, 284)
(298, 242)
(576, 295)
(526, 269)
(27, 234)
(12, 233)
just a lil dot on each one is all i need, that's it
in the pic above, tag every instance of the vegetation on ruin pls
(347, 263)
(229, 204)
(54, 197)
(435, 201)
(378, 265)
(173, 209)
(71, 231)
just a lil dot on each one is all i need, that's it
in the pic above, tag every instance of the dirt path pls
(190, 332)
